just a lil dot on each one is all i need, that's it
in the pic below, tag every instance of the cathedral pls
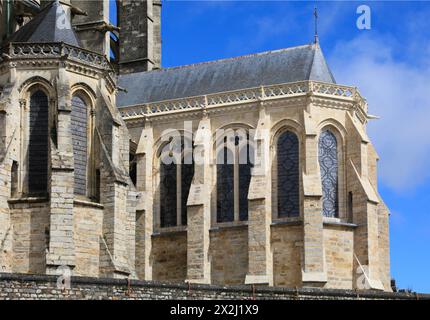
(253, 170)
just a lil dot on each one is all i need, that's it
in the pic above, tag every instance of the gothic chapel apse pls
(250, 170)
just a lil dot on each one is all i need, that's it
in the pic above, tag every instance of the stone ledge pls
(169, 231)
(85, 203)
(257, 279)
(28, 200)
(229, 225)
(339, 224)
(281, 222)
(311, 293)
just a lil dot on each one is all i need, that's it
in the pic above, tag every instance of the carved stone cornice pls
(55, 55)
(294, 94)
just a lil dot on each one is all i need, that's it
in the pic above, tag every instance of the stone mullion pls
(178, 193)
(92, 157)
(23, 132)
(236, 183)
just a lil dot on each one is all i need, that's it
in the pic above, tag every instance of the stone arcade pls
(87, 116)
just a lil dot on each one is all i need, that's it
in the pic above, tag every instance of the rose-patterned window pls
(328, 160)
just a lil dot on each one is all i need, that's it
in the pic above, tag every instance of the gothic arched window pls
(176, 176)
(79, 126)
(288, 175)
(328, 160)
(233, 179)
(38, 143)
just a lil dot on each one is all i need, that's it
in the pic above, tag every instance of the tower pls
(140, 35)
(92, 24)
(65, 195)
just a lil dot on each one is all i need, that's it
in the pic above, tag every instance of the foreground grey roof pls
(49, 25)
(262, 69)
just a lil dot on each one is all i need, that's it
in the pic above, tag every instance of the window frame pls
(180, 224)
(87, 97)
(236, 151)
(23, 189)
(283, 128)
(339, 132)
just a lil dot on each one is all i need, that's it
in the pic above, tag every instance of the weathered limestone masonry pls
(44, 229)
(198, 208)
(307, 250)
(260, 258)
(92, 24)
(140, 35)
(83, 184)
(18, 286)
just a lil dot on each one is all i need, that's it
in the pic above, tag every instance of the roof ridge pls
(185, 66)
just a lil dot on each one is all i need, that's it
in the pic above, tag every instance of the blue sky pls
(390, 64)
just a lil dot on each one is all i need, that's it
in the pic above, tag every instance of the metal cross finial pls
(316, 25)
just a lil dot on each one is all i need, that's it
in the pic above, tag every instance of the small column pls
(314, 273)
(61, 251)
(5, 192)
(260, 260)
(144, 210)
(2, 133)
(199, 208)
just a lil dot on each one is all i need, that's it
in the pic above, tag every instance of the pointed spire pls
(316, 41)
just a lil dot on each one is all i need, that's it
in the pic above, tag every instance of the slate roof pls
(268, 68)
(49, 25)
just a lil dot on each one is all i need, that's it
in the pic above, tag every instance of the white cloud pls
(398, 91)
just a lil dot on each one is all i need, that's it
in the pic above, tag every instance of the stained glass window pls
(168, 192)
(187, 175)
(172, 189)
(38, 144)
(225, 187)
(288, 175)
(79, 120)
(227, 169)
(244, 181)
(329, 173)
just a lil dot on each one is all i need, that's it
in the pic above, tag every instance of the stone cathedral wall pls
(30, 229)
(287, 244)
(169, 256)
(229, 255)
(339, 250)
(88, 223)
